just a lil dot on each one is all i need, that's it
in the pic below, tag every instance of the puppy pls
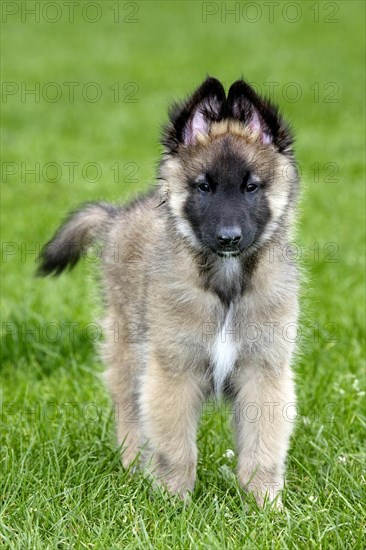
(199, 300)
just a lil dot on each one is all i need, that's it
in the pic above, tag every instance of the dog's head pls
(228, 174)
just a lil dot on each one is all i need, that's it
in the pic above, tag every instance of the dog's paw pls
(177, 480)
(265, 491)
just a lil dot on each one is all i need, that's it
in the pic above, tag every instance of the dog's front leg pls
(170, 407)
(264, 418)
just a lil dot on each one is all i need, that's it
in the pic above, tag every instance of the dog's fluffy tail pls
(79, 230)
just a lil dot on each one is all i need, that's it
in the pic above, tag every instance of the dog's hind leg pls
(122, 363)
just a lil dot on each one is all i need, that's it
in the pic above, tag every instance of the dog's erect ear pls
(195, 115)
(259, 115)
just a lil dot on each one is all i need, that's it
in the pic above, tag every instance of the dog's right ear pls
(195, 115)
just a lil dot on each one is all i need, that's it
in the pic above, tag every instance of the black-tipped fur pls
(241, 100)
(210, 90)
(78, 231)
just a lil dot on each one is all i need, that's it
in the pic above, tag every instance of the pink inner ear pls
(199, 124)
(256, 126)
(196, 125)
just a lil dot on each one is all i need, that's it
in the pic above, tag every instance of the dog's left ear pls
(195, 115)
(259, 115)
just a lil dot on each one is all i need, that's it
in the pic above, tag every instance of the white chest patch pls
(224, 351)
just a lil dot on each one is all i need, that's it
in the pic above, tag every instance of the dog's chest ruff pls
(224, 351)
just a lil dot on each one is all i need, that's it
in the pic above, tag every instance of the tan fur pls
(264, 422)
(169, 424)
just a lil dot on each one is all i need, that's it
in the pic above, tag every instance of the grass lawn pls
(89, 131)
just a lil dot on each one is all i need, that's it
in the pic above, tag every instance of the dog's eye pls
(251, 188)
(250, 183)
(204, 187)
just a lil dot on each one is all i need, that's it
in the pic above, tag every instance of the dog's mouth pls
(227, 252)
(232, 251)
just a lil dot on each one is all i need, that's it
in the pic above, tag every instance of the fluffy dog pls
(195, 281)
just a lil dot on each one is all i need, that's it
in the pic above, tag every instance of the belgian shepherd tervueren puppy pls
(195, 281)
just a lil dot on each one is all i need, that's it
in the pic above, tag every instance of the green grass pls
(61, 482)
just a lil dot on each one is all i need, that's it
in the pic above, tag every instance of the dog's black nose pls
(229, 236)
